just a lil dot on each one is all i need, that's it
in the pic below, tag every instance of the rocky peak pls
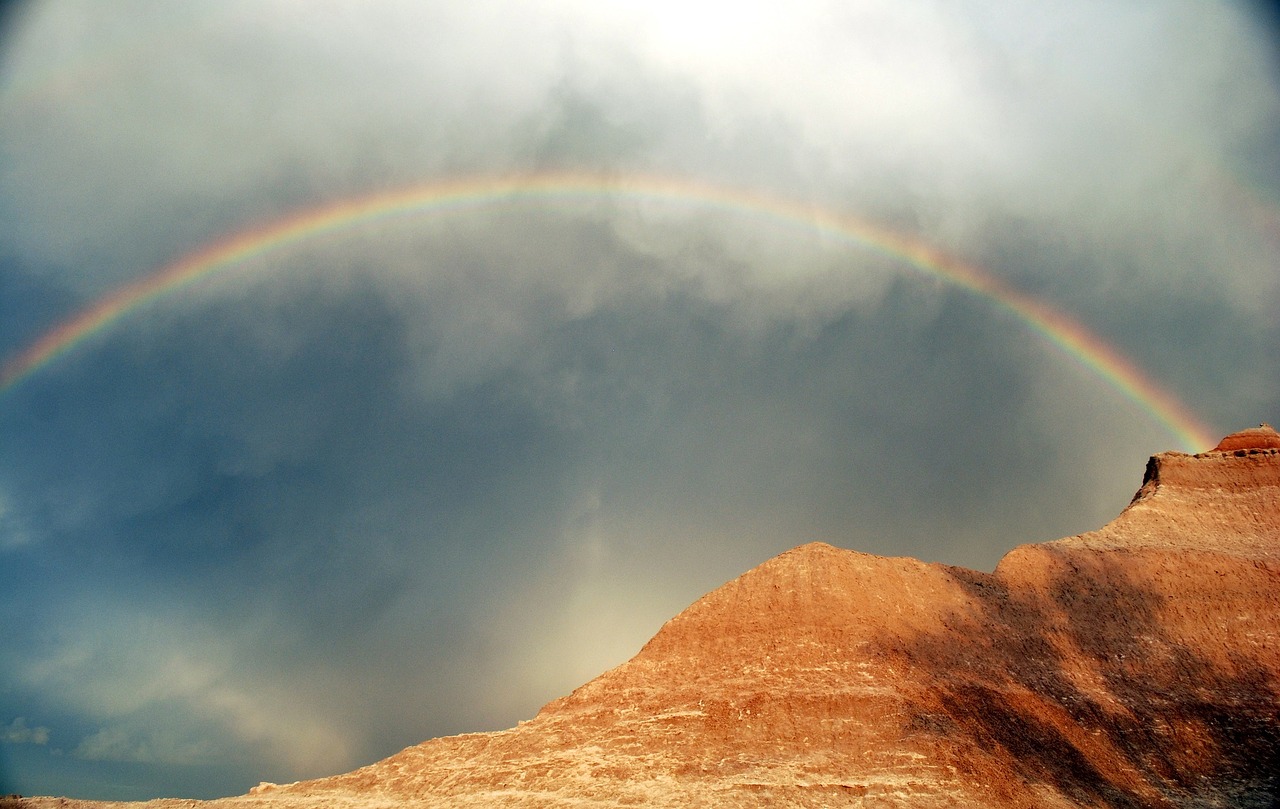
(1223, 500)
(1264, 436)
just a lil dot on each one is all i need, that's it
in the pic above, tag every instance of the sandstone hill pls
(1133, 666)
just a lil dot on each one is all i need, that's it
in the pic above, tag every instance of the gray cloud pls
(418, 477)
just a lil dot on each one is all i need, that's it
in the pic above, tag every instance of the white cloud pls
(170, 693)
(1075, 115)
(14, 532)
(18, 732)
(116, 744)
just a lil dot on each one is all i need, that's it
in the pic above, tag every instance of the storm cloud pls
(418, 476)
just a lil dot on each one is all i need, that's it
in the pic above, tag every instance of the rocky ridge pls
(1135, 665)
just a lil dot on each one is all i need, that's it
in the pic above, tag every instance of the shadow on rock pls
(1105, 678)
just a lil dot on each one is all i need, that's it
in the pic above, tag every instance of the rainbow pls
(1058, 329)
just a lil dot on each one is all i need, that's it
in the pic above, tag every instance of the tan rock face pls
(1137, 665)
(1264, 436)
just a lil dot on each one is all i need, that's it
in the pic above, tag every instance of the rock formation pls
(1137, 665)
(1264, 436)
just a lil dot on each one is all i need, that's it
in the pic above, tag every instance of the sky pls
(377, 372)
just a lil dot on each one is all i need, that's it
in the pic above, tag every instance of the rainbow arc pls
(1060, 330)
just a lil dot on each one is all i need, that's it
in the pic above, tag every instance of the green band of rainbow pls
(1069, 336)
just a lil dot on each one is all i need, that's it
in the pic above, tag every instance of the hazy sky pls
(419, 476)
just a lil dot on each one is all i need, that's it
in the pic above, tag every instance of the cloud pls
(13, 531)
(18, 732)
(167, 692)
(115, 745)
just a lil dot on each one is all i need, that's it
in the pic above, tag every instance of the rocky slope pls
(1137, 665)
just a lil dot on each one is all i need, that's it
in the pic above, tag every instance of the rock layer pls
(1264, 436)
(1136, 665)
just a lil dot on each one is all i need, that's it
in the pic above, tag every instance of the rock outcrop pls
(1264, 436)
(1133, 666)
